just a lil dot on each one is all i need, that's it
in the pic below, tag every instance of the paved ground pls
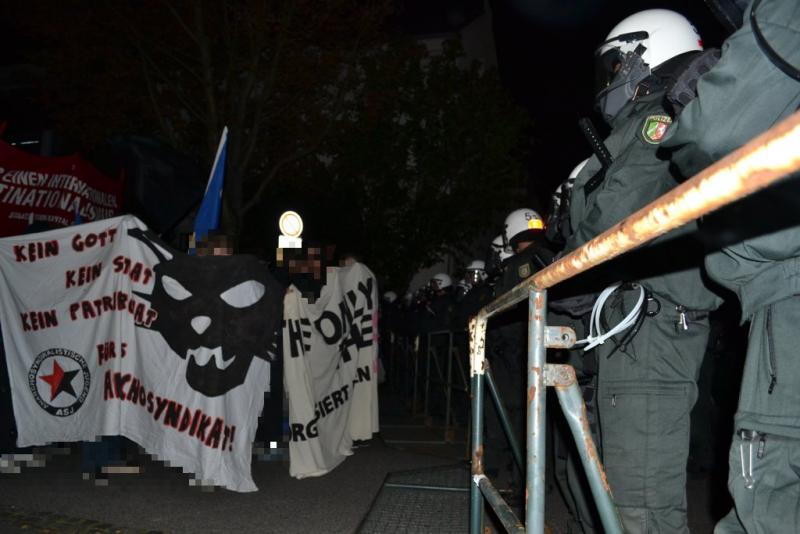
(160, 498)
(55, 499)
(707, 496)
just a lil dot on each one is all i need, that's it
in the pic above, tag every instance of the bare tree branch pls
(208, 76)
(139, 41)
(300, 154)
(230, 32)
(180, 20)
(256, 125)
(164, 78)
(166, 127)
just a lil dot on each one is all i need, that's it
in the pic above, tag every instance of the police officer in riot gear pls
(442, 302)
(475, 273)
(557, 228)
(440, 282)
(499, 252)
(507, 346)
(646, 374)
(752, 87)
(524, 234)
(572, 310)
(478, 292)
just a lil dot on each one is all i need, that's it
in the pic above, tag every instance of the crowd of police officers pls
(673, 108)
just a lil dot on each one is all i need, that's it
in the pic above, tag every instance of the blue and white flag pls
(208, 215)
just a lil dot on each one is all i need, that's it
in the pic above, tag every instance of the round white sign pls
(291, 224)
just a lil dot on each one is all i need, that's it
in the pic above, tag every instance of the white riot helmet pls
(441, 281)
(633, 49)
(522, 225)
(475, 272)
(564, 189)
(390, 296)
(558, 227)
(500, 248)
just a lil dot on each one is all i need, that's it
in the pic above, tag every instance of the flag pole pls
(208, 215)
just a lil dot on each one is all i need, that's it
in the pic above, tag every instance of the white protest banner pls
(330, 351)
(109, 332)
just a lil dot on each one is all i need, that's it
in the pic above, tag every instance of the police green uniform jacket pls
(442, 310)
(634, 179)
(478, 296)
(741, 97)
(521, 266)
(646, 389)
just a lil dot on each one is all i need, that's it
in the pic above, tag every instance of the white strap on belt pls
(596, 335)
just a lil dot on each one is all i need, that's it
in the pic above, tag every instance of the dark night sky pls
(545, 50)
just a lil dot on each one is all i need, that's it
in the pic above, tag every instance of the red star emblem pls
(59, 381)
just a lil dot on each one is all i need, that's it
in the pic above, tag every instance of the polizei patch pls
(655, 127)
(59, 380)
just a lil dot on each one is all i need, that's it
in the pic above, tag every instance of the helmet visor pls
(619, 68)
(612, 56)
(474, 276)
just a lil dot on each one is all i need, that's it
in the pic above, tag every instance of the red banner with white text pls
(52, 190)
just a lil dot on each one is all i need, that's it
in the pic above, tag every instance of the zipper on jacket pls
(682, 323)
(773, 364)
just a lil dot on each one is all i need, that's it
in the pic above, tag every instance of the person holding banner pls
(215, 244)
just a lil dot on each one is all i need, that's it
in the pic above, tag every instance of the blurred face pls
(436, 286)
(522, 245)
(215, 245)
(311, 265)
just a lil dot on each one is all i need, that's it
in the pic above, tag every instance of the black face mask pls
(220, 312)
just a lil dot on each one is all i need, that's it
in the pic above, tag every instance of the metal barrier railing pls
(445, 379)
(439, 362)
(763, 161)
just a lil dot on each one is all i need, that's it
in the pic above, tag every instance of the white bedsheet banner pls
(330, 351)
(108, 332)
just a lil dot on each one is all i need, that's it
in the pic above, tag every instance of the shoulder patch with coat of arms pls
(655, 127)
(524, 271)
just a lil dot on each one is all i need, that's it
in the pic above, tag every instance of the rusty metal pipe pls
(537, 396)
(477, 347)
(504, 512)
(763, 161)
(571, 401)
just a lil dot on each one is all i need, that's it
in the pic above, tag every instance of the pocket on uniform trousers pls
(775, 495)
(645, 439)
